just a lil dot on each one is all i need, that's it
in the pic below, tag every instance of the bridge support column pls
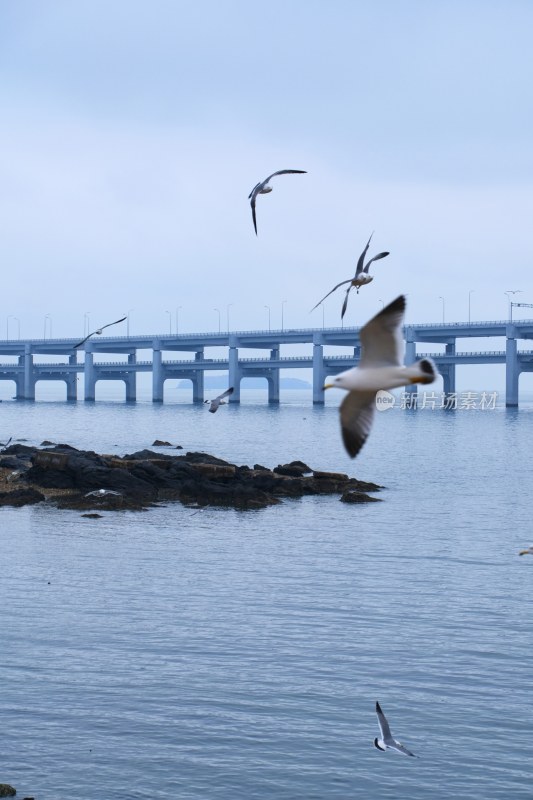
(72, 380)
(273, 378)
(319, 374)
(512, 373)
(89, 376)
(131, 380)
(198, 380)
(235, 375)
(410, 358)
(273, 386)
(157, 377)
(26, 387)
(448, 375)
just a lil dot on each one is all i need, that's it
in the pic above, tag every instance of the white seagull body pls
(386, 742)
(527, 551)
(380, 367)
(361, 277)
(99, 331)
(219, 401)
(264, 188)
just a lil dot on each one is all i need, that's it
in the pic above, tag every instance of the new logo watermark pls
(462, 401)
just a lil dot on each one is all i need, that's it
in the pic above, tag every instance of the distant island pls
(221, 382)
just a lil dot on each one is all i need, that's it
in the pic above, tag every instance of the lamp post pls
(128, 312)
(268, 308)
(86, 328)
(469, 296)
(227, 315)
(218, 312)
(178, 319)
(509, 292)
(169, 322)
(443, 308)
(282, 305)
(10, 316)
(49, 318)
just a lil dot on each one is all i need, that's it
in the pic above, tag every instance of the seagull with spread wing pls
(264, 188)
(361, 277)
(387, 742)
(99, 331)
(219, 401)
(380, 367)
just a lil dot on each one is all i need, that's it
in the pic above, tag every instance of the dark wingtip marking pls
(396, 305)
(376, 745)
(378, 707)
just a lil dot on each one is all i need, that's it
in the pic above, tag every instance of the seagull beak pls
(327, 386)
(523, 552)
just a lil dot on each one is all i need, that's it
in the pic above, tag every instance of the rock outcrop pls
(87, 481)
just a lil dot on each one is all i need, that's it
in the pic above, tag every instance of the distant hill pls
(221, 382)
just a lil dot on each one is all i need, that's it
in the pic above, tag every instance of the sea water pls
(226, 655)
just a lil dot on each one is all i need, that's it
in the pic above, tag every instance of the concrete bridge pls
(25, 371)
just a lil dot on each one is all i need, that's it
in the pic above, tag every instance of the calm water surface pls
(232, 655)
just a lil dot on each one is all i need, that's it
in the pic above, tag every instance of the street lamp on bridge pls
(469, 295)
(10, 316)
(443, 308)
(227, 315)
(169, 322)
(178, 319)
(218, 312)
(86, 328)
(508, 293)
(128, 312)
(268, 308)
(49, 318)
(282, 304)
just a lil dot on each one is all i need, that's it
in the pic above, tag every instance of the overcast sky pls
(132, 132)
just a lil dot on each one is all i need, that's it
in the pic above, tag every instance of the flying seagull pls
(527, 551)
(219, 401)
(387, 742)
(99, 331)
(361, 277)
(264, 188)
(380, 367)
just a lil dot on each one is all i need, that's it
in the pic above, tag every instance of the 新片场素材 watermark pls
(463, 401)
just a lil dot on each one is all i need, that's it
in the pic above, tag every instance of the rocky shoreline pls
(86, 481)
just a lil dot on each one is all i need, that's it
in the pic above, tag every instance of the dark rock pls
(301, 465)
(144, 478)
(21, 497)
(161, 443)
(288, 469)
(6, 790)
(179, 447)
(14, 462)
(359, 497)
(46, 443)
(93, 516)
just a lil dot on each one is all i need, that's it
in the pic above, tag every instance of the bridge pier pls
(319, 374)
(410, 358)
(158, 379)
(273, 378)
(89, 376)
(131, 379)
(512, 373)
(72, 380)
(235, 374)
(26, 386)
(448, 372)
(198, 388)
